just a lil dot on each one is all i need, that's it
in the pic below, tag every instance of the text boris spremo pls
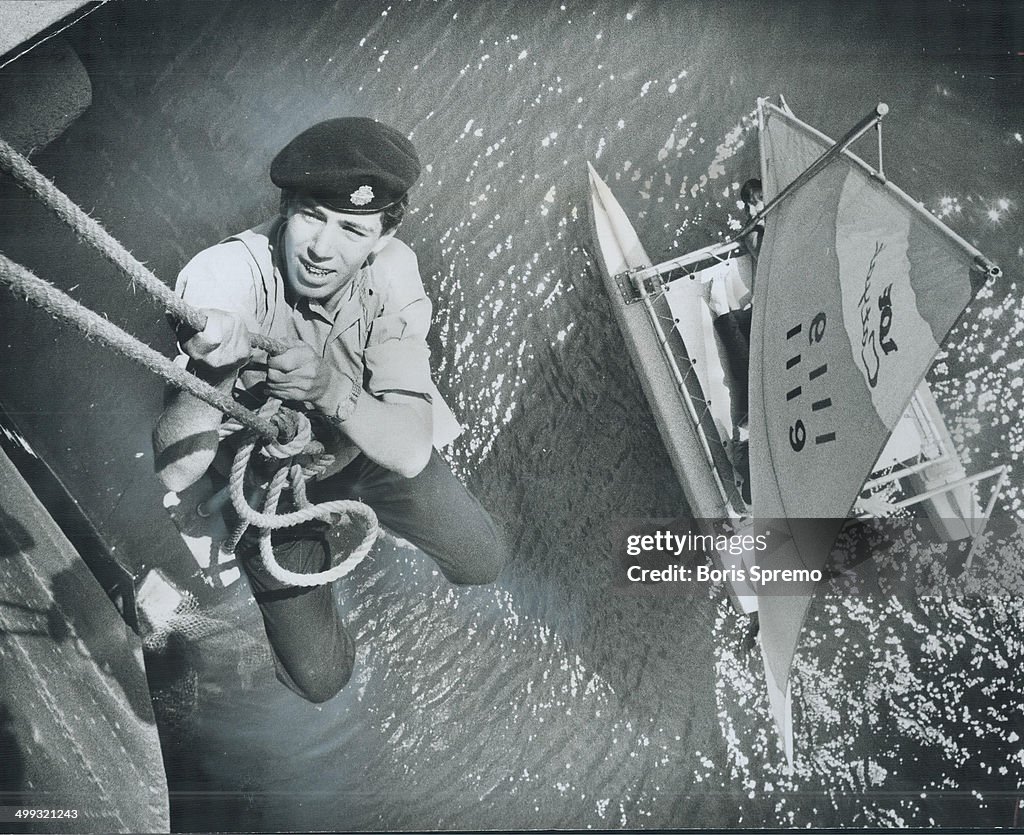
(704, 573)
(667, 543)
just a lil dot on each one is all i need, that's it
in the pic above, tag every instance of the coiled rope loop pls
(269, 520)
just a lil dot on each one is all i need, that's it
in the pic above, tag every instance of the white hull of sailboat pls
(619, 250)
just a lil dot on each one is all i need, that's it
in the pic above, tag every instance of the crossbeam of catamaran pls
(948, 487)
(717, 251)
(902, 472)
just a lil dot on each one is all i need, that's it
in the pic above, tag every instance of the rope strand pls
(269, 520)
(336, 571)
(65, 309)
(92, 233)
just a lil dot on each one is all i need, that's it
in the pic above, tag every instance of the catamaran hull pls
(619, 249)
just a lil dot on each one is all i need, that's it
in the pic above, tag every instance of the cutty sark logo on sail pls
(887, 319)
(874, 338)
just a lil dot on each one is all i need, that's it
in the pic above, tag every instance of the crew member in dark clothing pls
(733, 329)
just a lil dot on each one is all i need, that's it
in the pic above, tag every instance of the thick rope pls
(65, 309)
(273, 521)
(327, 509)
(92, 233)
(269, 520)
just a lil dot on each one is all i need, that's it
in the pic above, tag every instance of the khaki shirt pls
(377, 334)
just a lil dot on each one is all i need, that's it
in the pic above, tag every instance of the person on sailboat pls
(732, 326)
(752, 197)
(329, 275)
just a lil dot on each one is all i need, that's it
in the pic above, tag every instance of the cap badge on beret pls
(361, 196)
(353, 164)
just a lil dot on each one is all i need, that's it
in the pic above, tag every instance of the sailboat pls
(852, 291)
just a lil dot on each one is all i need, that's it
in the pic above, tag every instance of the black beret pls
(353, 164)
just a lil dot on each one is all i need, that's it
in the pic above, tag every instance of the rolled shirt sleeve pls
(396, 355)
(228, 277)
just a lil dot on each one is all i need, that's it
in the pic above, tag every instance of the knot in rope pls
(292, 475)
(294, 425)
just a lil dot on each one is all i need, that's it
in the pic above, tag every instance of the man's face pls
(324, 249)
(756, 203)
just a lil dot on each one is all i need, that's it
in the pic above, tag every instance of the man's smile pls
(313, 270)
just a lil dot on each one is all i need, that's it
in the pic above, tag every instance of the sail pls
(855, 289)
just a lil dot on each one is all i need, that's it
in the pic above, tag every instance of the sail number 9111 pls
(815, 381)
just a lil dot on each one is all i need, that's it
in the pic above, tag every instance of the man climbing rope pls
(329, 277)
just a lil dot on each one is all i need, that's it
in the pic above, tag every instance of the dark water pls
(554, 698)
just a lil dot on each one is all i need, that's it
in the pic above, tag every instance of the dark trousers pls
(733, 328)
(313, 653)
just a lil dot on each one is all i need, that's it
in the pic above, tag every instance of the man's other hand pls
(298, 373)
(223, 345)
